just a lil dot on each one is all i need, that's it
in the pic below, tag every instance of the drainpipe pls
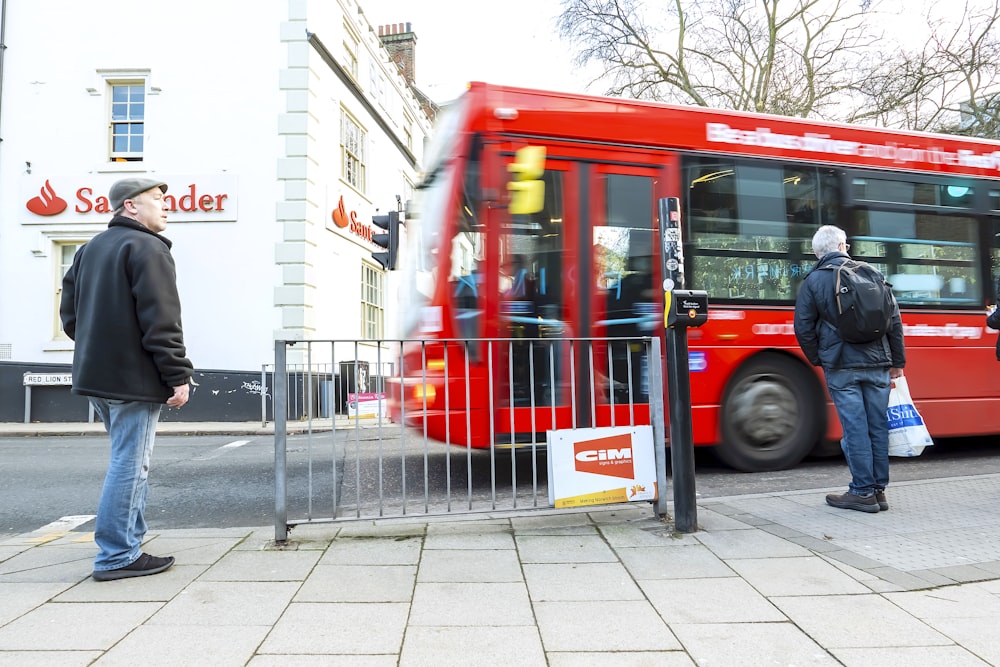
(3, 49)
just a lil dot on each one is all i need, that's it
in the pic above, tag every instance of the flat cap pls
(127, 188)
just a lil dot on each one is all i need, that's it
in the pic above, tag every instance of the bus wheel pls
(772, 415)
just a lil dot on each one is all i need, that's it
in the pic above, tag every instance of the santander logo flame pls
(340, 217)
(47, 202)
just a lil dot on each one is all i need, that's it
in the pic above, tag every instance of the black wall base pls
(218, 396)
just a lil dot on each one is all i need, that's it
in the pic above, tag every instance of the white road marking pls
(67, 523)
(56, 530)
(218, 452)
(236, 443)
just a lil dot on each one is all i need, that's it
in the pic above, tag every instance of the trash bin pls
(325, 399)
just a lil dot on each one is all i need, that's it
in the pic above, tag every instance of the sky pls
(513, 42)
(516, 42)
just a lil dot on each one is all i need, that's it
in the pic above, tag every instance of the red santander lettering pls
(85, 205)
(364, 231)
(191, 201)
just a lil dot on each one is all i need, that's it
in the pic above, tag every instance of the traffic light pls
(389, 240)
(527, 189)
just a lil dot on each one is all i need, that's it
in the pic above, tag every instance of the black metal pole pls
(678, 377)
(681, 437)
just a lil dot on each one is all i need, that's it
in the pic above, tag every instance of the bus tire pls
(772, 414)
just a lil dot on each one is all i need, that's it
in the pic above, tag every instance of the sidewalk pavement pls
(768, 579)
(46, 429)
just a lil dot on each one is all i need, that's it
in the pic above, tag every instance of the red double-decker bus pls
(491, 254)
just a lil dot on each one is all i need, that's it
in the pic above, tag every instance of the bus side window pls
(930, 258)
(995, 255)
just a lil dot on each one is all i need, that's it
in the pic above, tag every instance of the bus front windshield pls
(426, 223)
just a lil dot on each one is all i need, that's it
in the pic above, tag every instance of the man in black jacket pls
(120, 305)
(858, 375)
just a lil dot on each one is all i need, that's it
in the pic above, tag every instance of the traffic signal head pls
(389, 240)
(527, 189)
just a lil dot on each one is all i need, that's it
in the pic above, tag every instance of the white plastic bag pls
(907, 434)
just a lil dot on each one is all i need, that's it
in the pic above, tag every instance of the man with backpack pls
(847, 321)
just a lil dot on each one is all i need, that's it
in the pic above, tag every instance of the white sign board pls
(47, 379)
(369, 404)
(600, 466)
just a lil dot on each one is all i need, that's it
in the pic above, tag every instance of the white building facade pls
(281, 128)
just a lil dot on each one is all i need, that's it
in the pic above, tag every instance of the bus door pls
(536, 257)
(624, 300)
(585, 266)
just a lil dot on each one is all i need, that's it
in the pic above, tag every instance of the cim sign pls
(189, 198)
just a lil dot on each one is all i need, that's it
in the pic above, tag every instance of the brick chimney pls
(401, 42)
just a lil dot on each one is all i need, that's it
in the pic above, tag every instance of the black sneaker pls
(883, 504)
(143, 565)
(849, 501)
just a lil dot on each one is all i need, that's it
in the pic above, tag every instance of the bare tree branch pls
(810, 58)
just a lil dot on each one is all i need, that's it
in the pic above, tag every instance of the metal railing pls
(461, 429)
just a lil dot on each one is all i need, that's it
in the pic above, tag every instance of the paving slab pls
(470, 565)
(338, 628)
(809, 575)
(751, 645)
(858, 621)
(681, 561)
(59, 626)
(359, 583)
(575, 548)
(580, 581)
(713, 600)
(171, 645)
(513, 646)
(460, 604)
(603, 626)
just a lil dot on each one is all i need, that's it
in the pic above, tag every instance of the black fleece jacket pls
(120, 304)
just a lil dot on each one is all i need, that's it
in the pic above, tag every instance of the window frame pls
(60, 266)
(372, 302)
(353, 152)
(128, 121)
(351, 45)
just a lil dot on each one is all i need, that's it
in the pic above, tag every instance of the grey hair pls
(827, 239)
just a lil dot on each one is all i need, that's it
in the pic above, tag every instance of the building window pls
(407, 194)
(408, 131)
(372, 298)
(128, 114)
(350, 52)
(352, 149)
(64, 253)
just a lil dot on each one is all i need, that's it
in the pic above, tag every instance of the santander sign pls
(348, 220)
(212, 198)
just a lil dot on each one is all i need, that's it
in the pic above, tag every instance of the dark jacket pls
(993, 322)
(815, 314)
(120, 304)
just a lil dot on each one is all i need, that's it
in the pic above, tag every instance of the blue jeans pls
(861, 396)
(120, 524)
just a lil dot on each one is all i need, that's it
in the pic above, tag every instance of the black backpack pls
(864, 301)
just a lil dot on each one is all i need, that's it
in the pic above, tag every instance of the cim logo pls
(606, 456)
(47, 202)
